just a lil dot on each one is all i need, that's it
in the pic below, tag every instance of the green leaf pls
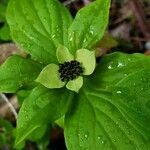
(89, 25)
(116, 66)
(131, 96)
(24, 92)
(3, 6)
(38, 135)
(17, 72)
(4, 30)
(112, 109)
(39, 26)
(96, 123)
(49, 77)
(43, 106)
(6, 134)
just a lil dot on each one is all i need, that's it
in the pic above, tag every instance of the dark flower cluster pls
(70, 70)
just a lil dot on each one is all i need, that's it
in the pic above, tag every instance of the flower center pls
(70, 70)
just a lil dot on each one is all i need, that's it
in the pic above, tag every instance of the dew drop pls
(31, 35)
(84, 40)
(83, 138)
(57, 28)
(129, 59)
(71, 39)
(119, 92)
(100, 139)
(91, 32)
(120, 65)
(86, 136)
(53, 36)
(71, 35)
(110, 67)
(125, 74)
(26, 116)
(142, 89)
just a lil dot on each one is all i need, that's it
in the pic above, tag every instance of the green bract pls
(112, 109)
(50, 76)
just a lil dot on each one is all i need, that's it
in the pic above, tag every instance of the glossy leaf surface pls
(17, 72)
(112, 110)
(39, 26)
(41, 107)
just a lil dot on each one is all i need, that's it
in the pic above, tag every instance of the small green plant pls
(108, 109)
(4, 28)
(6, 135)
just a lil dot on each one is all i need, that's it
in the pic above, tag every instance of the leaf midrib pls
(107, 100)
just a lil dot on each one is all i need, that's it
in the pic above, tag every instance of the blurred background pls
(128, 31)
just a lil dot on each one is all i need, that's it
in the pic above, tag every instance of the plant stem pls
(9, 105)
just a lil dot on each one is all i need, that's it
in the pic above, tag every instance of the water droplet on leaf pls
(53, 36)
(125, 75)
(91, 32)
(110, 67)
(84, 40)
(120, 65)
(101, 139)
(86, 136)
(119, 92)
(71, 39)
